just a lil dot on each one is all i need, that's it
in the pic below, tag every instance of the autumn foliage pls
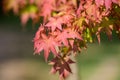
(68, 25)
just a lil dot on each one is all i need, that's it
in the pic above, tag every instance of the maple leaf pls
(25, 16)
(46, 12)
(47, 8)
(45, 43)
(61, 65)
(63, 37)
(68, 34)
(54, 23)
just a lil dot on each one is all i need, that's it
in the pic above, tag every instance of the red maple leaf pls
(68, 34)
(61, 65)
(47, 8)
(54, 23)
(45, 43)
(25, 16)
(63, 37)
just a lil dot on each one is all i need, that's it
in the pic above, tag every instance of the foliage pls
(68, 25)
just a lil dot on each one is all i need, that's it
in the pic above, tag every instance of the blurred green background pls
(17, 62)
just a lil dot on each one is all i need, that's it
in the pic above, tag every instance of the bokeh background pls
(17, 62)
